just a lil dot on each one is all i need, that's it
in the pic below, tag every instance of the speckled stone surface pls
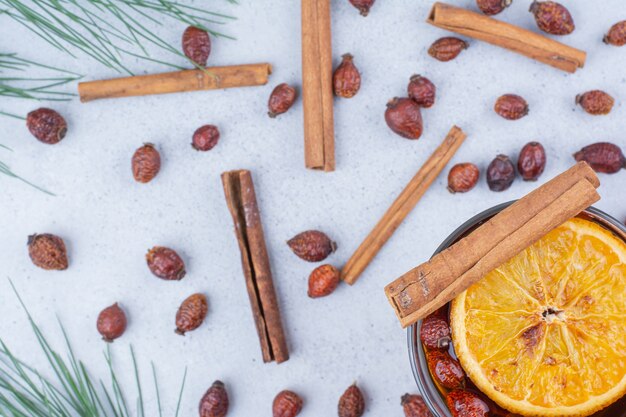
(108, 221)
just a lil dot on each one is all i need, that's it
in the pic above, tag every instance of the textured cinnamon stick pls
(424, 289)
(402, 206)
(514, 38)
(242, 203)
(179, 81)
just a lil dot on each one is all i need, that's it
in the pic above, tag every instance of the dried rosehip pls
(422, 91)
(463, 177)
(346, 78)
(602, 157)
(414, 406)
(511, 107)
(351, 403)
(404, 117)
(531, 161)
(46, 125)
(286, 404)
(196, 45)
(146, 163)
(281, 99)
(165, 263)
(47, 251)
(595, 102)
(616, 35)
(214, 403)
(435, 332)
(205, 138)
(446, 49)
(312, 245)
(500, 173)
(493, 7)
(446, 370)
(323, 281)
(552, 17)
(111, 323)
(364, 6)
(463, 403)
(191, 313)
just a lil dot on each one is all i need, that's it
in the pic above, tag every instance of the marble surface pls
(109, 221)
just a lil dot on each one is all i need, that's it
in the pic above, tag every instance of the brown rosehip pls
(363, 6)
(191, 313)
(603, 157)
(196, 45)
(493, 7)
(616, 35)
(165, 263)
(46, 125)
(323, 281)
(47, 251)
(414, 406)
(346, 78)
(312, 245)
(281, 99)
(214, 403)
(552, 17)
(464, 403)
(446, 370)
(531, 161)
(463, 177)
(205, 138)
(351, 403)
(286, 404)
(146, 163)
(511, 106)
(595, 102)
(404, 117)
(435, 332)
(500, 173)
(111, 323)
(422, 91)
(448, 48)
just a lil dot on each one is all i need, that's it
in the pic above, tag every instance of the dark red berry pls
(196, 45)
(111, 323)
(435, 332)
(205, 138)
(312, 245)
(500, 173)
(46, 125)
(403, 116)
(446, 370)
(165, 263)
(214, 403)
(422, 91)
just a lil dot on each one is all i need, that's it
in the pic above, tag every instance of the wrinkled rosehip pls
(616, 35)
(165, 263)
(111, 323)
(531, 161)
(205, 138)
(363, 6)
(191, 313)
(603, 157)
(351, 403)
(346, 78)
(214, 403)
(446, 49)
(312, 245)
(493, 7)
(435, 332)
(196, 45)
(463, 403)
(463, 177)
(422, 91)
(414, 406)
(446, 370)
(511, 106)
(286, 404)
(47, 251)
(146, 163)
(46, 125)
(404, 117)
(552, 17)
(500, 173)
(323, 281)
(595, 102)
(281, 99)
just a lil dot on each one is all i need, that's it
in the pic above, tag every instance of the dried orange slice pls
(545, 333)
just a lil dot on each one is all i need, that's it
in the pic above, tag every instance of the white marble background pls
(109, 221)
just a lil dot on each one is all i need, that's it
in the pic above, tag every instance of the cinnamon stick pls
(424, 289)
(317, 90)
(212, 78)
(242, 203)
(505, 35)
(402, 206)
